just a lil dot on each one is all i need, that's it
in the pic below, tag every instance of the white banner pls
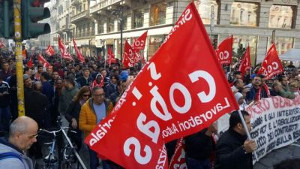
(275, 123)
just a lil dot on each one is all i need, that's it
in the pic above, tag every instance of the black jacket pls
(36, 107)
(230, 153)
(199, 146)
(73, 111)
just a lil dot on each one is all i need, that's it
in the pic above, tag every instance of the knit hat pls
(25, 77)
(238, 96)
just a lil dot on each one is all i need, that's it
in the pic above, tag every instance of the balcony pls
(80, 16)
(107, 3)
(75, 2)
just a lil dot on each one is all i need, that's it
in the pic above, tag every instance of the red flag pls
(271, 65)
(50, 51)
(139, 44)
(43, 61)
(64, 53)
(246, 62)
(224, 51)
(110, 56)
(129, 58)
(178, 160)
(24, 54)
(164, 102)
(79, 55)
(30, 63)
(2, 45)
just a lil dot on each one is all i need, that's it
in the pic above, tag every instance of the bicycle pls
(66, 155)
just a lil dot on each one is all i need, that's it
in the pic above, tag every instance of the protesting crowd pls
(85, 90)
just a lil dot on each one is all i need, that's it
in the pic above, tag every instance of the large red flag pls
(79, 55)
(64, 53)
(246, 62)
(224, 51)
(43, 61)
(129, 58)
(139, 44)
(50, 51)
(110, 56)
(271, 65)
(178, 160)
(166, 102)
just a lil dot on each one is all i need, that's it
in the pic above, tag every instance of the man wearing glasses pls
(22, 134)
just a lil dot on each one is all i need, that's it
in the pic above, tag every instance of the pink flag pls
(43, 61)
(50, 51)
(110, 56)
(64, 53)
(79, 55)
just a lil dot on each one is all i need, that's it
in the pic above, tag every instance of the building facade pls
(99, 24)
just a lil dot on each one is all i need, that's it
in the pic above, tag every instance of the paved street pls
(288, 152)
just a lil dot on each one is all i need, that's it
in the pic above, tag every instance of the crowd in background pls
(74, 90)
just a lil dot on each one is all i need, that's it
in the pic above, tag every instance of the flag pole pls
(247, 131)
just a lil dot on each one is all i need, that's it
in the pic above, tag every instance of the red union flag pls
(178, 160)
(30, 63)
(246, 62)
(110, 56)
(63, 51)
(129, 58)
(139, 44)
(79, 55)
(224, 51)
(166, 102)
(42, 60)
(50, 51)
(271, 65)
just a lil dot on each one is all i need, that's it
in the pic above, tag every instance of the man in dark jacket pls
(234, 151)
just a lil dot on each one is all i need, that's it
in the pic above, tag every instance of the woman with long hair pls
(72, 114)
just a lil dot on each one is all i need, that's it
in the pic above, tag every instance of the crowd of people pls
(85, 93)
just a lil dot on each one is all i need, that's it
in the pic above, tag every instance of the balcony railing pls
(103, 4)
(81, 15)
(75, 2)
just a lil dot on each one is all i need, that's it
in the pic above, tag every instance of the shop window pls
(138, 18)
(158, 13)
(244, 14)
(154, 43)
(240, 43)
(281, 16)
(205, 9)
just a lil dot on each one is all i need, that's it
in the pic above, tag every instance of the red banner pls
(42, 60)
(246, 62)
(110, 56)
(178, 160)
(64, 53)
(79, 55)
(271, 65)
(50, 51)
(173, 96)
(129, 56)
(224, 51)
(139, 44)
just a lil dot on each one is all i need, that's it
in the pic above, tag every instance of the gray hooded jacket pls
(13, 162)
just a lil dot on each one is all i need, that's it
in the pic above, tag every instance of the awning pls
(291, 55)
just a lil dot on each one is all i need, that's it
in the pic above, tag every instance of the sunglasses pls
(86, 95)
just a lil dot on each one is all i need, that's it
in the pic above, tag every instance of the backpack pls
(11, 155)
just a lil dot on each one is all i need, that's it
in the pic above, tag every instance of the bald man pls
(22, 134)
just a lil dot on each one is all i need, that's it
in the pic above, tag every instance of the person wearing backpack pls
(22, 134)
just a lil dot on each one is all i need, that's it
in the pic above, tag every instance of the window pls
(281, 17)
(240, 43)
(138, 20)
(283, 44)
(110, 25)
(244, 14)
(158, 14)
(100, 28)
(205, 9)
(154, 43)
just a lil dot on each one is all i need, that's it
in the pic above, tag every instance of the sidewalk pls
(276, 156)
